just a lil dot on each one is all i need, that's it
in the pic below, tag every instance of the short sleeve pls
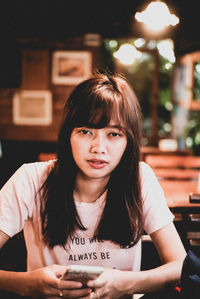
(155, 210)
(18, 196)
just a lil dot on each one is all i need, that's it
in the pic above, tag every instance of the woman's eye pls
(114, 134)
(85, 132)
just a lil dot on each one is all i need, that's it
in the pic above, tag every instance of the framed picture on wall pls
(32, 107)
(71, 67)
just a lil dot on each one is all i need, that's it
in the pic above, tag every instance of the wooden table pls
(177, 192)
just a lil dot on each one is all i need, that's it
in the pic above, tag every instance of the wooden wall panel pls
(21, 132)
(6, 107)
(36, 75)
(35, 70)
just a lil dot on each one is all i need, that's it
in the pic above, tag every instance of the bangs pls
(98, 111)
(100, 100)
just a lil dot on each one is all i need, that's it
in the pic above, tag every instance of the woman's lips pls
(95, 163)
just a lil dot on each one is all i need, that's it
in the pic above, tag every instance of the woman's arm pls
(172, 254)
(44, 281)
(114, 283)
(170, 249)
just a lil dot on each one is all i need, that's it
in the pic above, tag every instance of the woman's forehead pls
(114, 124)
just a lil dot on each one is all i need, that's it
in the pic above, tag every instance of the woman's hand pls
(46, 282)
(111, 283)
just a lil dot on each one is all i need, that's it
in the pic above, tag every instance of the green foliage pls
(192, 132)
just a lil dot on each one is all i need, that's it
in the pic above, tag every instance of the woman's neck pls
(89, 190)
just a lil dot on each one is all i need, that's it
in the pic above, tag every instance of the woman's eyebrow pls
(114, 127)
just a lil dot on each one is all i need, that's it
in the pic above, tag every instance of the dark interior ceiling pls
(58, 20)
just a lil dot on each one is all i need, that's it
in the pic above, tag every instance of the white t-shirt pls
(20, 209)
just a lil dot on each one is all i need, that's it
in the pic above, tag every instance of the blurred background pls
(47, 47)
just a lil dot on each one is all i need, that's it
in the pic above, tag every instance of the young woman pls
(91, 205)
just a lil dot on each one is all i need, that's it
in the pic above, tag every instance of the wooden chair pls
(179, 177)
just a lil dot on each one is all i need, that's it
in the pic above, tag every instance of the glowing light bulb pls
(157, 16)
(127, 53)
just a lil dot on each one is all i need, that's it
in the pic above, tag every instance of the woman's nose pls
(98, 145)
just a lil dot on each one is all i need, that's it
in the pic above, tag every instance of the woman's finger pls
(69, 284)
(95, 283)
(75, 293)
(68, 293)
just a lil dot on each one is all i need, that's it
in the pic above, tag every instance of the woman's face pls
(97, 152)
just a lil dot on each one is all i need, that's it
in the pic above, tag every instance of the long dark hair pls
(93, 103)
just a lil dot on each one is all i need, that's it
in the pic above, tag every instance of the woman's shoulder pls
(36, 169)
(147, 175)
(145, 169)
(39, 164)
